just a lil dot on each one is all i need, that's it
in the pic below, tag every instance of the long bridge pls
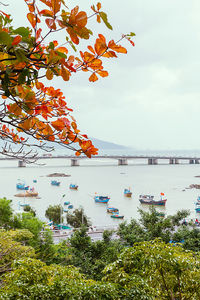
(121, 159)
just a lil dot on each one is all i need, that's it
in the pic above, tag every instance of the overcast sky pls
(151, 98)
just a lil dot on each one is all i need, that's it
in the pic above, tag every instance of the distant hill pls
(103, 145)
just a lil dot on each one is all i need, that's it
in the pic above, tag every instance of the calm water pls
(105, 178)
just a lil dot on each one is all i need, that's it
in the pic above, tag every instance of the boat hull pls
(101, 199)
(27, 194)
(129, 195)
(153, 202)
(117, 217)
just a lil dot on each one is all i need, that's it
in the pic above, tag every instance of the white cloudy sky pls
(151, 98)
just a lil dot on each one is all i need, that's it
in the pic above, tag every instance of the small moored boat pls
(66, 202)
(27, 194)
(22, 186)
(101, 199)
(70, 206)
(73, 186)
(116, 216)
(55, 182)
(149, 199)
(127, 193)
(112, 209)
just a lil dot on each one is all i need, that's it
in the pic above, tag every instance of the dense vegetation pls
(154, 258)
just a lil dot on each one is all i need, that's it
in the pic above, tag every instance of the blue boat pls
(197, 208)
(34, 180)
(117, 216)
(70, 206)
(101, 199)
(22, 186)
(55, 182)
(66, 202)
(127, 193)
(112, 209)
(73, 186)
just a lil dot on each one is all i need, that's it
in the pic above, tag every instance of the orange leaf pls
(46, 12)
(73, 36)
(58, 124)
(15, 109)
(32, 19)
(103, 73)
(56, 5)
(62, 49)
(81, 19)
(47, 2)
(27, 124)
(38, 33)
(49, 74)
(16, 40)
(93, 77)
(109, 54)
(98, 5)
(116, 48)
(91, 49)
(65, 74)
(98, 19)
(51, 23)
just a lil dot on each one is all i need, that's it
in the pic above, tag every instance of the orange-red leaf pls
(65, 74)
(58, 124)
(32, 19)
(51, 23)
(16, 40)
(62, 49)
(56, 5)
(46, 12)
(103, 73)
(98, 5)
(81, 19)
(91, 49)
(49, 74)
(38, 33)
(93, 77)
(116, 48)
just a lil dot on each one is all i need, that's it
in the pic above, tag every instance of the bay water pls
(103, 177)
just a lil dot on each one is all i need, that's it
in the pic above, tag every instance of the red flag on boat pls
(162, 194)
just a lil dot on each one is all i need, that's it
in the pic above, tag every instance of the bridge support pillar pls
(150, 161)
(21, 163)
(122, 162)
(191, 161)
(176, 161)
(171, 161)
(196, 161)
(154, 161)
(74, 162)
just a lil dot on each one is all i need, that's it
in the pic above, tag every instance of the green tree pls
(32, 279)
(53, 213)
(78, 218)
(5, 212)
(151, 226)
(159, 270)
(12, 248)
(30, 209)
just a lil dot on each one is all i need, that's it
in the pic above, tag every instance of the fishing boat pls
(149, 199)
(197, 208)
(30, 193)
(24, 204)
(34, 180)
(22, 186)
(127, 193)
(55, 182)
(198, 200)
(66, 202)
(112, 209)
(116, 216)
(73, 186)
(70, 206)
(101, 199)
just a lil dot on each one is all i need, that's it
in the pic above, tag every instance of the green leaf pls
(24, 32)
(61, 54)
(131, 34)
(20, 54)
(5, 38)
(104, 18)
